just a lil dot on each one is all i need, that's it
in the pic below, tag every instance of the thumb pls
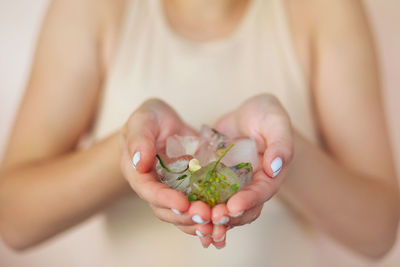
(140, 139)
(279, 147)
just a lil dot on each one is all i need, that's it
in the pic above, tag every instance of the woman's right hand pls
(145, 132)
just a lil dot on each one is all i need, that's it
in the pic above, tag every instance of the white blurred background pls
(19, 25)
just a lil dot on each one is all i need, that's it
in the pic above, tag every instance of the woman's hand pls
(265, 119)
(145, 133)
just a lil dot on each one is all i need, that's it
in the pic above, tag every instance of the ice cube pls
(244, 172)
(210, 142)
(244, 150)
(211, 136)
(214, 185)
(178, 179)
(177, 146)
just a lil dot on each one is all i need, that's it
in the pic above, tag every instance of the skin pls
(352, 170)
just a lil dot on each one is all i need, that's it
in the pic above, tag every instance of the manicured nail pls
(276, 166)
(236, 215)
(205, 246)
(219, 240)
(136, 159)
(176, 211)
(199, 234)
(219, 247)
(198, 219)
(224, 220)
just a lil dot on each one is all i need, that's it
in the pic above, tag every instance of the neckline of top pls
(220, 42)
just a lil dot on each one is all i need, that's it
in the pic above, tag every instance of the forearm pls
(356, 209)
(40, 200)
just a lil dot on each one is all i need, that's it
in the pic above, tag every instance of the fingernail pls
(219, 240)
(220, 247)
(198, 219)
(199, 234)
(224, 220)
(136, 159)
(276, 166)
(176, 211)
(236, 215)
(205, 246)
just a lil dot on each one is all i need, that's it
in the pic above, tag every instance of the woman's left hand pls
(263, 118)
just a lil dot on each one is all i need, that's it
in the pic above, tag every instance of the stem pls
(222, 155)
(167, 169)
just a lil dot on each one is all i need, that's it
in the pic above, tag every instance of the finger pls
(202, 231)
(140, 135)
(218, 233)
(167, 215)
(200, 212)
(161, 195)
(187, 131)
(257, 192)
(227, 125)
(221, 242)
(206, 241)
(187, 229)
(277, 133)
(150, 189)
(219, 245)
(193, 230)
(220, 215)
(247, 217)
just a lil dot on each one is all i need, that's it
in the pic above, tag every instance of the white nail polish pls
(276, 166)
(224, 220)
(236, 215)
(198, 219)
(136, 159)
(176, 211)
(199, 234)
(219, 240)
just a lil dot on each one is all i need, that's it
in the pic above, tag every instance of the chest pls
(203, 82)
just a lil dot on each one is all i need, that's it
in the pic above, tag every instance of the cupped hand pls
(145, 133)
(263, 118)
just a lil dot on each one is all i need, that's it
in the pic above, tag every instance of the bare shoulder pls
(346, 18)
(299, 19)
(111, 14)
(100, 19)
(328, 22)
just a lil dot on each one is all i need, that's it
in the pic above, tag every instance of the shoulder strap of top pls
(285, 35)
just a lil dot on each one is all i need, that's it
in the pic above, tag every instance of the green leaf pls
(182, 177)
(235, 187)
(241, 165)
(191, 198)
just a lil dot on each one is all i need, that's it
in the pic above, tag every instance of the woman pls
(98, 61)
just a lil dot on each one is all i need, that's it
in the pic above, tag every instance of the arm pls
(348, 188)
(46, 184)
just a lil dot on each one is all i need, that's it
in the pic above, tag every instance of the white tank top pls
(202, 81)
